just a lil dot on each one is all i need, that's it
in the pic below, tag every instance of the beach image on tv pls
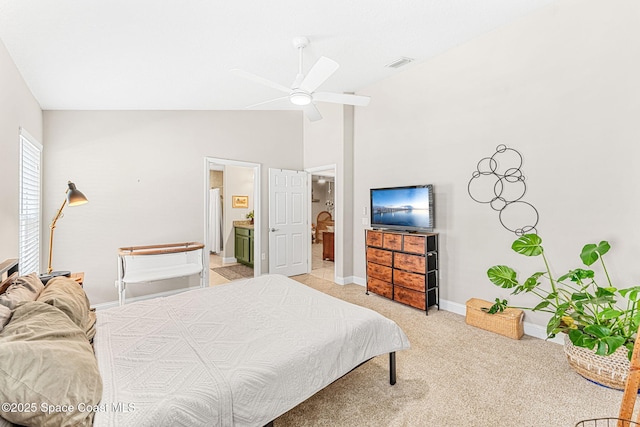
(401, 207)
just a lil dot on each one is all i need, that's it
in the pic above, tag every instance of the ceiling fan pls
(303, 90)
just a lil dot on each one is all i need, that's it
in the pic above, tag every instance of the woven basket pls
(607, 422)
(610, 371)
(507, 323)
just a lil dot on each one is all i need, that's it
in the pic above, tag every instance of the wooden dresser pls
(327, 245)
(403, 267)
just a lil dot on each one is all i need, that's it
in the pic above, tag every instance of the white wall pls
(561, 86)
(330, 142)
(18, 108)
(143, 173)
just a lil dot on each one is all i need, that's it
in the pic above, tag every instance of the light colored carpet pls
(453, 375)
(233, 272)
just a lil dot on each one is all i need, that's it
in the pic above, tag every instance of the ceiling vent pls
(400, 62)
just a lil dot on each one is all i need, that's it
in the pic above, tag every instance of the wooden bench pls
(141, 264)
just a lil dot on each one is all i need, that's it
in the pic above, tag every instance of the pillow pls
(67, 295)
(46, 359)
(24, 288)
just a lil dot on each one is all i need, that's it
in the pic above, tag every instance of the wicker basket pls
(607, 422)
(507, 323)
(610, 371)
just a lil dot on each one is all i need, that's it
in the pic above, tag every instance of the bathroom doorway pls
(237, 185)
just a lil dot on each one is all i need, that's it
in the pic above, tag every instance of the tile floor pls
(319, 268)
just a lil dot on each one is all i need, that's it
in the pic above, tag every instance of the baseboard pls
(105, 305)
(350, 280)
(359, 281)
(530, 329)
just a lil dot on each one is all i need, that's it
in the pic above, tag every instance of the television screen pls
(404, 208)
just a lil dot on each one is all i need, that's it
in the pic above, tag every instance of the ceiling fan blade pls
(312, 113)
(342, 98)
(260, 80)
(267, 102)
(321, 71)
(297, 81)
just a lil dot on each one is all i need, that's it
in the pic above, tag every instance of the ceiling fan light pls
(300, 98)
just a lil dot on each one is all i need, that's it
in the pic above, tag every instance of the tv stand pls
(403, 266)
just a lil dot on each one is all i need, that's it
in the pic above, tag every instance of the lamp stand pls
(74, 198)
(50, 273)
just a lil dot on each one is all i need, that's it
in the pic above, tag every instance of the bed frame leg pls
(392, 368)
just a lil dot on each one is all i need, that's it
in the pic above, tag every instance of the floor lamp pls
(74, 197)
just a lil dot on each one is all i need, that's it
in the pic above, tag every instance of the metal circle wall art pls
(499, 182)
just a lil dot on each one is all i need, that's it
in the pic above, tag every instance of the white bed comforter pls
(239, 354)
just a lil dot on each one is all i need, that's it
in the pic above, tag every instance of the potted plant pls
(597, 317)
(249, 216)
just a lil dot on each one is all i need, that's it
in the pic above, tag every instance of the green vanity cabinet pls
(244, 245)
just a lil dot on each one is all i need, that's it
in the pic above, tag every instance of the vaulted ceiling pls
(163, 54)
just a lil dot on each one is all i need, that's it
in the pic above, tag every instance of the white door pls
(288, 228)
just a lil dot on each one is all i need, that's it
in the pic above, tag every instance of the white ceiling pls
(163, 54)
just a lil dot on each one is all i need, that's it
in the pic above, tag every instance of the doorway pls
(323, 218)
(249, 202)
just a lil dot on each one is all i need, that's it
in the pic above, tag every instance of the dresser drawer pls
(409, 280)
(408, 262)
(374, 238)
(409, 297)
(392, 241)
(380, 287)
(379, 271)
(380, 256)
(415, 244)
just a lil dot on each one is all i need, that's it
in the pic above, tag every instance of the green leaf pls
(610, 313)
(540, 306)
(602, 348)
(532, 282)
(582, 340)
(499, 306)
(575, 335)
(605, 292)
(613, 343)
(590, 253)
(503, 276)
(579, 296)
(577, 275)
(552, 326)
(600, 300)
(632, 294)
(528, 244)
(598, 331)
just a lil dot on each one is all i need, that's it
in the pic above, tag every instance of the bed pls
(239, 354)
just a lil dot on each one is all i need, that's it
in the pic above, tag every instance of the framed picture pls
(239, 201)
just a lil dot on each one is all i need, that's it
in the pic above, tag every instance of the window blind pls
(30, 204)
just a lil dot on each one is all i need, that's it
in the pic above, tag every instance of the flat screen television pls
(408, 208)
